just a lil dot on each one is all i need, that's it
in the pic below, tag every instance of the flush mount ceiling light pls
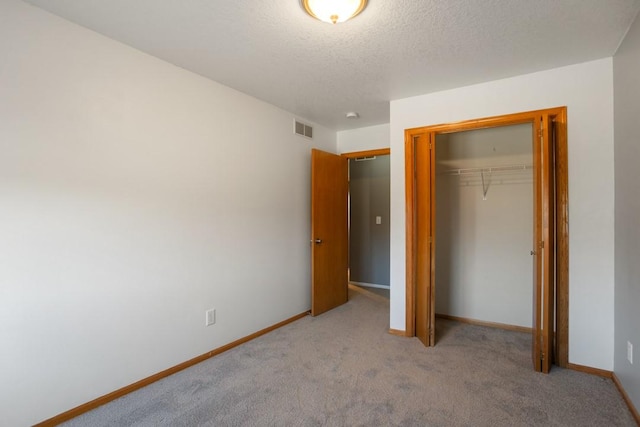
(334, 11)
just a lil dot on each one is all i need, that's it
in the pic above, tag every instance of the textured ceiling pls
(395, 49)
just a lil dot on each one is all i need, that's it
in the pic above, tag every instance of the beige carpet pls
(378, 291)
(344, 369)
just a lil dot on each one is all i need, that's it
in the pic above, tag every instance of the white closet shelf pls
(487, 169)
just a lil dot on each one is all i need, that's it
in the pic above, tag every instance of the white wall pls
(586, 89)
(133, 196)
(626, 72)
(483, 244)
(362, 139)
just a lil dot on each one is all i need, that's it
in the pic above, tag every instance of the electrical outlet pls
(210, 317)
(630, 352)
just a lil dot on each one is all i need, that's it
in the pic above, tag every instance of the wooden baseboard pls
(626, 398)
(483, 323)
(398, 332)
(86, 407)
(589, 370)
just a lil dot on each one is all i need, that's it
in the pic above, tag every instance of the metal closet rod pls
(490, 169)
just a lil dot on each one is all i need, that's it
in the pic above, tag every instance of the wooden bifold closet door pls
(543, 245)
(425, 242)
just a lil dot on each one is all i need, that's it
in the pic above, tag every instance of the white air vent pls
(302, 129)
(364, 159)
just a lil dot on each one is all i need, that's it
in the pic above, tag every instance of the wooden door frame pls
(559, 115)
(367, 153)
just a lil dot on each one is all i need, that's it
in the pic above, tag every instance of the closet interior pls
(484, 225)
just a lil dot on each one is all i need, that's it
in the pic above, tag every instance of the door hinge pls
(540, 132)
(430, 145)
(430, 239)
(541, 245)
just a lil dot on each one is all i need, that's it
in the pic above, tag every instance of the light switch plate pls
(210, 317)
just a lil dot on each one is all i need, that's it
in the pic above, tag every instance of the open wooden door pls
(329, 231)
(544, 245)
(425, 326)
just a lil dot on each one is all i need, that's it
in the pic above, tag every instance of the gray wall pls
(368, 241)
(626, 77)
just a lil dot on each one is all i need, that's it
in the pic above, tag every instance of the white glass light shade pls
(334, 11)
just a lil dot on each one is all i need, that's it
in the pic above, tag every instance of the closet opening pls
(484, 211)
(486, 206)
